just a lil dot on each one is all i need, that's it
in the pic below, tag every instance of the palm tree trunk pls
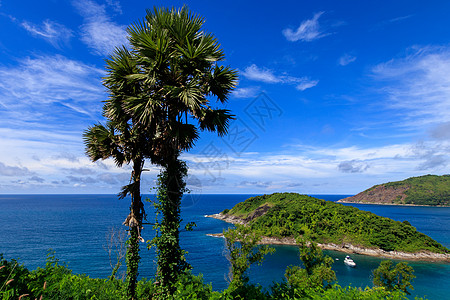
(135, 225)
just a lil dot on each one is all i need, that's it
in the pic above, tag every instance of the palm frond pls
(186, 135)
(125, 191)
(215, 120)
(102, 143)
(222, 81)
(190, 94)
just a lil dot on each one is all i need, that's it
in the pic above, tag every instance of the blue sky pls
(333, 96)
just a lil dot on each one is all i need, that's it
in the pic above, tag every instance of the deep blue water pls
(76, 227)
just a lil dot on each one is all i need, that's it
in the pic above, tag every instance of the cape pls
(280, 218)
(428, 190)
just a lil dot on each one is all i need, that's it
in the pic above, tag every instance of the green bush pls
(13, 279)
(394, 277)
(56, 281)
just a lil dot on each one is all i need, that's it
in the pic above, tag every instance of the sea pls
(77, 229)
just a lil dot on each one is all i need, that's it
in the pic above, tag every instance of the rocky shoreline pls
(384, 203)
(344, 247)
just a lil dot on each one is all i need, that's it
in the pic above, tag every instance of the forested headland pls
(430, 190)
(283, 215)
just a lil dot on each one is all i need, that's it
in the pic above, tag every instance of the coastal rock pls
(227, 218)
(423, 255)
(379, 195)
(260, 211)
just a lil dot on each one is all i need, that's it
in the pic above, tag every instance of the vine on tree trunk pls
(171, 258)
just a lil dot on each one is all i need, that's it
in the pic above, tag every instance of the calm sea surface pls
(76, 227)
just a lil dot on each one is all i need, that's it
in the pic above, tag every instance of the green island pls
(281, 217)
(429, 190)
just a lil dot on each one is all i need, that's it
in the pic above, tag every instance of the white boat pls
(349, 262)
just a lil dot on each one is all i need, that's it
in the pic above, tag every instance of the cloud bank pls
(417, 86)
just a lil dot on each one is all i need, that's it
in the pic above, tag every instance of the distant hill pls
(429, 190)
(283, 216)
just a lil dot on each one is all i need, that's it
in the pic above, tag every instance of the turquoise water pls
(76, 227)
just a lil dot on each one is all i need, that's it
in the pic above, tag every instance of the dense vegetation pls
(394, 277)
(291, 215)
(424, 190)
(56, 281)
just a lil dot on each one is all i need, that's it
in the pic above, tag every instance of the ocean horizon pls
(76, 228)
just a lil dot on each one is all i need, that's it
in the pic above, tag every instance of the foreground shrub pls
(13, 279)
(394, 277)
(56, 281)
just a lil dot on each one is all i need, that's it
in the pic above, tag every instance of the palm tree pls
(158, 91)
(124, 141)
(178, 75)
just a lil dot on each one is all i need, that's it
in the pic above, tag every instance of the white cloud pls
(52, 161)
(363, 154)
(98, 31)
(258, 184)
(37, 179)
(353, 166)
(441, 131)
(253, 72)
(37, 87)
(61, 164)
(346, 59)
(256, 73)
(13, 171)
(417, 87)
(398, 19)
(393, 20)
(47, 103)
(247, 92)
(308, 30)
(50, 31)
(434, 155)
(306, 84)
